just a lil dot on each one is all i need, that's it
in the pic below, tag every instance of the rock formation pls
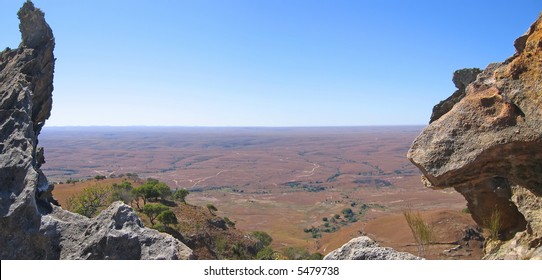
(488, 147)
(31, 226)
(364, 248)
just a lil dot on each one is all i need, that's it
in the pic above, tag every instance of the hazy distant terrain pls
(281, 180)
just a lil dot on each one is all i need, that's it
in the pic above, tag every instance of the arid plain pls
(289, 182)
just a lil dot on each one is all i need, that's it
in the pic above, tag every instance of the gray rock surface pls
(31, 226)
(488, 147)
(364, 248)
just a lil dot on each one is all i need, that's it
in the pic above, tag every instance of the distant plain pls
(279, 180)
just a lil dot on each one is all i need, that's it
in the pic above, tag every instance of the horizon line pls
(232, 126)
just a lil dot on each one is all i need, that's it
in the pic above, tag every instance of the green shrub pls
(89, 201)
(263, 237)
(229, 222)
(299, 253)
(167, 218)
(99, 177)
(266, 254)
(122, 192)
(211, 209)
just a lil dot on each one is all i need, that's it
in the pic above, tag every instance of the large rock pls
(31, 226)
(488, 147)
(364, 248)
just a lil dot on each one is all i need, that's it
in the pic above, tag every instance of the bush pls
(159, 227)
(229, 222)
(299, 253)
(89, 201)
(167, 218)
(99, 177)
(347, 213)
(266, 254)
(211, 209)
(263, 237)
(122, 192)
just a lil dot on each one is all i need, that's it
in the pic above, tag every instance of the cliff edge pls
(487, 145)
(31, 226)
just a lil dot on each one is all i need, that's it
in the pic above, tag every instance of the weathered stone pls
(364, 248)
(116, 233)
(461, 79)
(488, 147)
(31, 226)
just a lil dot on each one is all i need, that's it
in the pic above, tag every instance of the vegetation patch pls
(377, 182)
(308, 187)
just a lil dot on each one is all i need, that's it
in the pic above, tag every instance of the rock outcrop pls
(488, 146)
(364, 248)
(31, 226)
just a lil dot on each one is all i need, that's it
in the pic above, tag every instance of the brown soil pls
(277, 181)
(392, 231)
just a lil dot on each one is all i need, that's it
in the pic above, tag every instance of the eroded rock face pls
(364, 248)
(31, 226)
(488, 147)
(461, 78)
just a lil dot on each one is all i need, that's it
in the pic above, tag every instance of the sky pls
(265, 62)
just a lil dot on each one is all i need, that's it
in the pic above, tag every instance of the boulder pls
(364, 248)
(488, 147)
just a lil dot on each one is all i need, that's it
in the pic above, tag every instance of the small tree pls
(211, 209)
(137, 194)
(167, 218)
(147, 192)
(153, 210)
(89, 201)
(180, 195)
(163, 190)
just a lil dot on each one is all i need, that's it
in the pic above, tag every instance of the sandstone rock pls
(31, 226)
(488, 147)
(461, 79)
(364, 248)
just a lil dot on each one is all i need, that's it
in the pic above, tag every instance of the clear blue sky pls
(266, 63)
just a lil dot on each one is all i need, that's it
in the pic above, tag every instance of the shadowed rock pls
(488, 146)
(31, 226)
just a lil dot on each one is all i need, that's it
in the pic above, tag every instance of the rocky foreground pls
(486, 143)
(31, 226)
(364, 248)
